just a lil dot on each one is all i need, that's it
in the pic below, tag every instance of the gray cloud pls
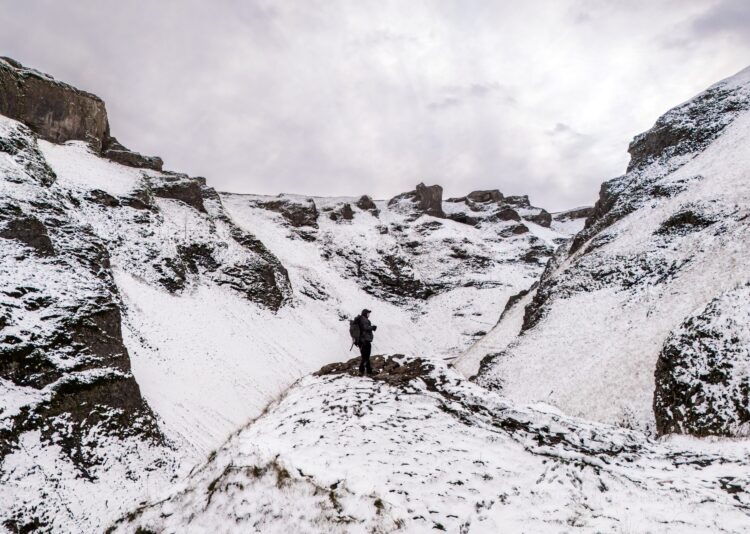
(343, 98)
(729, 18)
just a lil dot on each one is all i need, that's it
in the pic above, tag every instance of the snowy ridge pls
(421, 449)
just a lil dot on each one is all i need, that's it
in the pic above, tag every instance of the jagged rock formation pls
(405, 255)
(59, 112)
(480, 207)
(423, 199)
(663, 242)
(419, 448)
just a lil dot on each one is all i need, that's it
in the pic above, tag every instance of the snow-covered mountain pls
(146, 317)
(643, 318)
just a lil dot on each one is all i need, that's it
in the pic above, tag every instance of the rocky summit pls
(175, 358)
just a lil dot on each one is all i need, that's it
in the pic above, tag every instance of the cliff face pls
(59, 112)
(53, 110)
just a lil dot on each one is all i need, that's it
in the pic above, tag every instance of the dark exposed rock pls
(514, 230)
(366, 203)
(686, 128)
(140, 199)
(119, 154)
(266, 281)
(520, 201)
(54, 110)
(179, 187)
(463, 218)
(345, 212)
(578, 213)
(296, 214)
(76, 351)
(31, 232)
(428, 200)
(702, 380)
(59, 112)
(394, 370)
(506, 214)
(491, 195)
(102, 198)
(542, 218)
(689, 219)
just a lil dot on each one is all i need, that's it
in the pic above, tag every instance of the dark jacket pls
(365, 328)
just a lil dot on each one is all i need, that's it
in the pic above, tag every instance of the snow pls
(78, 168)
(454, 458)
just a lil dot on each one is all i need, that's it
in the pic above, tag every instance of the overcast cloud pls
(345, 97)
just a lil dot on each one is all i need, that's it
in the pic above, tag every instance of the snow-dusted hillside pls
(421, 449)
(665, 240)
(146, 317)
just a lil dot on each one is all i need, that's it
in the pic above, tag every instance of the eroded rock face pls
(179, 187)
(59, 112)
(72, 364)
(703, 372)
(120, 154)
(54, 110)
(424, 199)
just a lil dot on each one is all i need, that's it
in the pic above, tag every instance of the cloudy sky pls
(351, 97)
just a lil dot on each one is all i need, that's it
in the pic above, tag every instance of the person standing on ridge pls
(364, 342)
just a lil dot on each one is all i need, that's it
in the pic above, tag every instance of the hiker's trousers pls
(365, 347)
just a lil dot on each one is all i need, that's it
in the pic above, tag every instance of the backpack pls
(354, 330)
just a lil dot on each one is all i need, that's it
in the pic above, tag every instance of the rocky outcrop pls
(366, 203)
(490, 206)
(179, 187)
(423, 200)
(119, 154)
(577, 213)
(59, 112)
(344, 212)
(703, 372)
(54, 110)
(31, 232)
(298, 214)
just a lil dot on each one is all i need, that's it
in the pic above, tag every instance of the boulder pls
(345, 212)
(366, 203)
(425, 199)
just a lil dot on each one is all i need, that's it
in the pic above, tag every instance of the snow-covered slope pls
(421, 449)
(146, 317)
(665, 240)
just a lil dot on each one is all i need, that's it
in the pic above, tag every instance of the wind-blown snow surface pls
(595, 328)
(345, 454)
